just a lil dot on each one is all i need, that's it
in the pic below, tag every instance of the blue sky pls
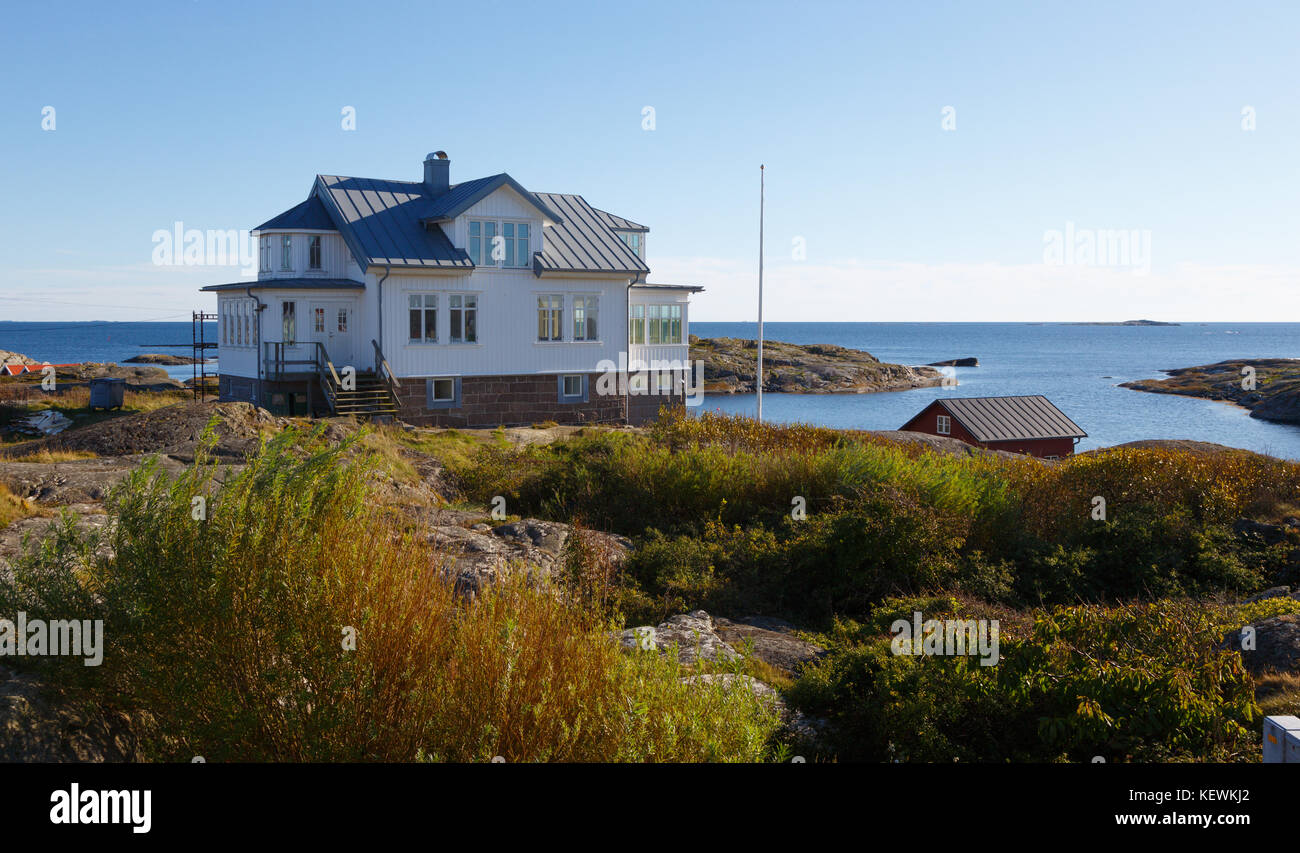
(1099, 115)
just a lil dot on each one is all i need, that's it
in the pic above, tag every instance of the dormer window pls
(497, 243)
(286, 252)
(634, 241)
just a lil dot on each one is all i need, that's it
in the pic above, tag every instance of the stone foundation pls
(518, 400)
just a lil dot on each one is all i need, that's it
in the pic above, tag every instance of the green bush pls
(1143, 682)
(229, 630)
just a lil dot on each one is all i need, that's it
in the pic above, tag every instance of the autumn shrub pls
(281, 613)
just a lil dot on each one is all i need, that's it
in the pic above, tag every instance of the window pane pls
(431, 324)
(474, 251)
(471, 326)
(415, 323)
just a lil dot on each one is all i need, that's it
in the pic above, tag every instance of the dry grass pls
(50, 456)
(13, 507)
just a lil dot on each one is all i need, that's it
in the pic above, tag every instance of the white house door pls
(332, 325)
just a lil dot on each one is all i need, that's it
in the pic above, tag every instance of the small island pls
(164, 358)
(1126, 323)
(730, 368)
(1274, 395)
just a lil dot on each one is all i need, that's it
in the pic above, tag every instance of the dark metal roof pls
(693, 288)
(310, 214)
(583, 242)
(290, 284)
(381, 221)
(461, 197)
(1010, 418)
(618, 223)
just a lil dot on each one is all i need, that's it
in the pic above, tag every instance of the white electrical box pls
(1281, 740)
(1292, 753)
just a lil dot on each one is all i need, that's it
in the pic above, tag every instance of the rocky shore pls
(730, 368)
(1273, 395)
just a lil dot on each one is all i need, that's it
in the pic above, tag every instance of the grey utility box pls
(1281, 740)
(107, 393)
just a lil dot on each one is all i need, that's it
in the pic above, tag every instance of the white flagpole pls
(759, 384)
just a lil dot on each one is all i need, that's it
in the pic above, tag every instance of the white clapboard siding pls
(507, 325)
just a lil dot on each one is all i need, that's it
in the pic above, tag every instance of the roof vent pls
(437, 172)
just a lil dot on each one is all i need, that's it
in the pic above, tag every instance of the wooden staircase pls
(369, 398)
(364, 394)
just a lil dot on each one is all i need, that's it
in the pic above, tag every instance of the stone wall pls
(516, 400)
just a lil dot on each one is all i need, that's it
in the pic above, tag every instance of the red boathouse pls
(1028, 424)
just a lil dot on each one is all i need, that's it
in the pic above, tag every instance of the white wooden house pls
(471, 304)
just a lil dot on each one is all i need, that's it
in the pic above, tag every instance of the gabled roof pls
(583, 242)
(618, 223)
(397, 223)
(310, 215)
(1010, 418)
(382, 222)
(461, 197)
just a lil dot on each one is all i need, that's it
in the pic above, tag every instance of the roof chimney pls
(437, 172)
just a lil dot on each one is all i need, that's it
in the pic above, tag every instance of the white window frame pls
(943, 425)
(286, 252)
(554, 308)
(484, 260)
(633, 309)
(316, 245)
(428, 302)
(660, 323)
(465, 304)
(586, 313)
(289, 321)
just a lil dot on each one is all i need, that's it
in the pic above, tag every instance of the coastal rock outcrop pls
(480, 555)
(37, 724)
(730, 366)
(1269, 387)
(1277, 645)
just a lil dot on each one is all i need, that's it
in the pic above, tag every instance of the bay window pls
(286, 252)
(636, 324)
(664, 324)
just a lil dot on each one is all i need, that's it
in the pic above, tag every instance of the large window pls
(289, 322)
(586, 310)
(286, 252)
(636, 324)
(463, 311)
(313, 251)
(423, 312)
(550, 317)
(494, 243)
(664, 324)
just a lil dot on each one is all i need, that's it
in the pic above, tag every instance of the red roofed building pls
(1030, 424)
